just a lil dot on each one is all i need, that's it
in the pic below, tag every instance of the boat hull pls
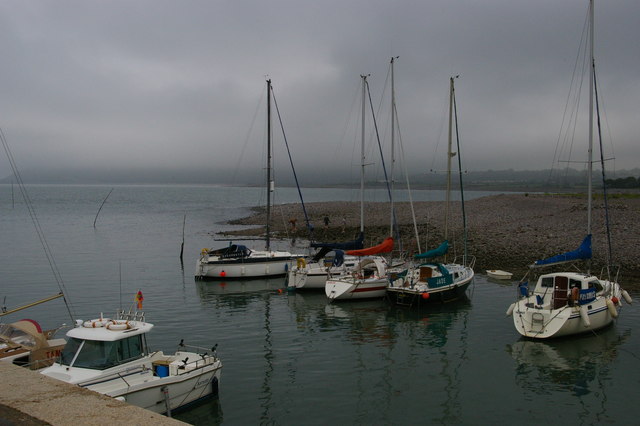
(246, 268)
(176, 391)
(535, 323)
(415, 297)
(445, 283)
(356, 289)
(314, 279)
(499, 275)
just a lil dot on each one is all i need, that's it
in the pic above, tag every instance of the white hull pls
(344, 289)
(566, 321)
(313, 278)
(147, 390)
(257, 265)
(498, 274)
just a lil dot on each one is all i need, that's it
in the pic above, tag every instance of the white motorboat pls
(24, 343)
(367, 280)
(566, 303)
(111, 356)
(499, 274)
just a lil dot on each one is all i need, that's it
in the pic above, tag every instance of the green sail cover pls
(440, 251)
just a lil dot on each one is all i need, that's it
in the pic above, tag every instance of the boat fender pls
(115, 325)
(616, 301)
(575, 294)
(301, 263)
(626, 297)
(96, 323)
(510, 310)
(612, 308)
(584, 314)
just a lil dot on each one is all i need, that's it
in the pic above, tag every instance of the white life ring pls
(118, 325)
(96, 323)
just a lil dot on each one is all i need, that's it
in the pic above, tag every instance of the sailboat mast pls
(362, 158)
(393, 158)
(269, 178)
(590, 154)
(449, 156)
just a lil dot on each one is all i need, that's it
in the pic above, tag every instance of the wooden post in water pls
(103, 201)
(184, 220)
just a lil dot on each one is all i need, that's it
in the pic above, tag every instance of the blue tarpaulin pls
(440, 251)
(581, 253)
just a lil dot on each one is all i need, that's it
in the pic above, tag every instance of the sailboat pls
(431, 281)
(237, 261)
(568, 303)
(368, 278)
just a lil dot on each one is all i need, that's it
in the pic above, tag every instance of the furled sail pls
(581, 253)
(436, 252)
(384, 247)
(338, 256)
(358, 243)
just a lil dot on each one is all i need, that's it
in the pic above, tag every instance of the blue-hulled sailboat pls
(429, 280)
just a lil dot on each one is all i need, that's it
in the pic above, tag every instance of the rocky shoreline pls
(507, 231)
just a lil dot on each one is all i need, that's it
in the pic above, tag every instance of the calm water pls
(292, 358)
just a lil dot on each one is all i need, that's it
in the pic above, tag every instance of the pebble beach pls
(506, 231)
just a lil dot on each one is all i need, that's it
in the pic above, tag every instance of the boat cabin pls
(102, 347)
(559, 289)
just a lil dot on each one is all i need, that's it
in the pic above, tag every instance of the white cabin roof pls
(109, 335)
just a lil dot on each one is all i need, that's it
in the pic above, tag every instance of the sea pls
(291, 357)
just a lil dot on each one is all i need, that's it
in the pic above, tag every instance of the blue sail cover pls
(440, 251)
(581, 253)
(356, 244)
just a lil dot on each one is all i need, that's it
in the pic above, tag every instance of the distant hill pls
(514, 180)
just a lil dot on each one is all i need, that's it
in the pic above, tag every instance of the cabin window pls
(100, 355)
(595, 284)
(547, 282)
(575, 283)
(69, 351)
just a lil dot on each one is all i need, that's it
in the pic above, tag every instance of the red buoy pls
(223, 274)
(425, 296)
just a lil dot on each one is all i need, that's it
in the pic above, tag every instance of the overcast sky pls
(156, 84)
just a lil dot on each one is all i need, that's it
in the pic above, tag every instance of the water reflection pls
(237, 294)
(205, 412)
(577, 365)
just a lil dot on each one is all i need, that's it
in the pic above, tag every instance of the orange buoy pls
(425, 296)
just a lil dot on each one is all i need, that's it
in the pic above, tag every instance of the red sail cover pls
(384, 247)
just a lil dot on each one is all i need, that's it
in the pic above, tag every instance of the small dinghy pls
(499, 274)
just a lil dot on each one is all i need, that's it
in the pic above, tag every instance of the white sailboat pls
(568, 303)
(368, 279)
(238, 261)
(111, 356)
(432, 281)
